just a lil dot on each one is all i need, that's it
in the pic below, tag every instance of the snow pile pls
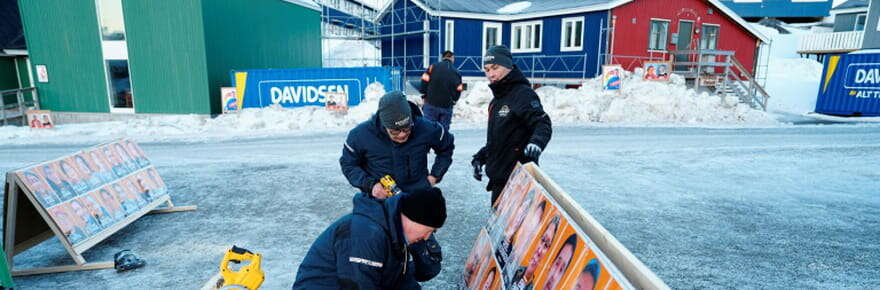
(792, 81)
(270, 121)
(793, 85)
(637, 103)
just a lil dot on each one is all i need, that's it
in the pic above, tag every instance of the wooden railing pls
(746, 81)
(703, 66)
(831, 42)
(17, 109)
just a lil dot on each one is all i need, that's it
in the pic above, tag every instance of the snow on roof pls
(515, 7)
(852, 4)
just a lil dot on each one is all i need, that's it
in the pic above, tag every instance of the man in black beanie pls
(518, 129)
(396, 142)
(371, 247)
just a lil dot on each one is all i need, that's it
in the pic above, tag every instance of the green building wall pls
(180, 52)
(258, 34)
(166, 56)
(63, 36)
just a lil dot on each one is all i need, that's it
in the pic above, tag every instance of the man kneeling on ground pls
(369, 248)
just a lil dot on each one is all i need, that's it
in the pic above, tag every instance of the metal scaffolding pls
(345, 20)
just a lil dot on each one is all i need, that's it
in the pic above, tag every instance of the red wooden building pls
(651, 29)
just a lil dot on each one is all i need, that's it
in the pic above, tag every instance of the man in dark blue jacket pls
(396, 142)
(370, 248)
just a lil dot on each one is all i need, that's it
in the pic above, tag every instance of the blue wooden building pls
(549, 39)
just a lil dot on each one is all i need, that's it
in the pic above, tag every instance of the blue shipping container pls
(292, 88)
(850, 85)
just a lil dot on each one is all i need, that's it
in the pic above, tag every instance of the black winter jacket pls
(441, 84)
(516, 118)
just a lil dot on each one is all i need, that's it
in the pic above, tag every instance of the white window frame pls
(878, 24)
(450, 35)
(498, 33)
(703, 32)
(856, 23)
(521, 48)
(564, 36)
(114, 50)
(666, 38)
(426, 44)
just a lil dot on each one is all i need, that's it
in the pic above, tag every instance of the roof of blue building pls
(851, 4)
(493, 6)
(506, 10)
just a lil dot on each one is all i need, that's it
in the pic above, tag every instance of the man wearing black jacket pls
(441, 87)
(518, 129)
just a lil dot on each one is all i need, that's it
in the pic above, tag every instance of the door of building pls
(685, 35)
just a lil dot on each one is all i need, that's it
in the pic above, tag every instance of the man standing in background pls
(441, 87)
(518, 129)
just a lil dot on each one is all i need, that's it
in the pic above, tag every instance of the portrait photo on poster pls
(39, 187)
(40, 119)
(612, 77)
(657, 70)
(525, 273)
(479, 252)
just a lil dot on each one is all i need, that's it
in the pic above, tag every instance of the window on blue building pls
(572, 34)
(861, 20)
(526, 36)
(450, 36)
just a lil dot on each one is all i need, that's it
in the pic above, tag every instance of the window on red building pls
(658, 36)
(709, 39)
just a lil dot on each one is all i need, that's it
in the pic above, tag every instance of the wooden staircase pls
(720, 71)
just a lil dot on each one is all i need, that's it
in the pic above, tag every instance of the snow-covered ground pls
(788, 207)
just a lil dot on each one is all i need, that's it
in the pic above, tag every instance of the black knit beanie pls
(394, 111)
(499, 55)
(427, 207)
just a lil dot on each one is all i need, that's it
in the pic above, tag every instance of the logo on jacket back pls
(503, 111)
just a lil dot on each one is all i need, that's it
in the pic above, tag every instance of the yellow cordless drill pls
(390, 185)
(248, 277)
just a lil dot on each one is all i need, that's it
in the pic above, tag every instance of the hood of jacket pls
(385, 213)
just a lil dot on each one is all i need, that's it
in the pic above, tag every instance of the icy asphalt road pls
(783, 208)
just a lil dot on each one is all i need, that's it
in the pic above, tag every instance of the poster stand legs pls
(169, 208)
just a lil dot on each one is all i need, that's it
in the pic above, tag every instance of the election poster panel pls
(91, 190)
(532, 243)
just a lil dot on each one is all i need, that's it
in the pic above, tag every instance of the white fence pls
(831, 42)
